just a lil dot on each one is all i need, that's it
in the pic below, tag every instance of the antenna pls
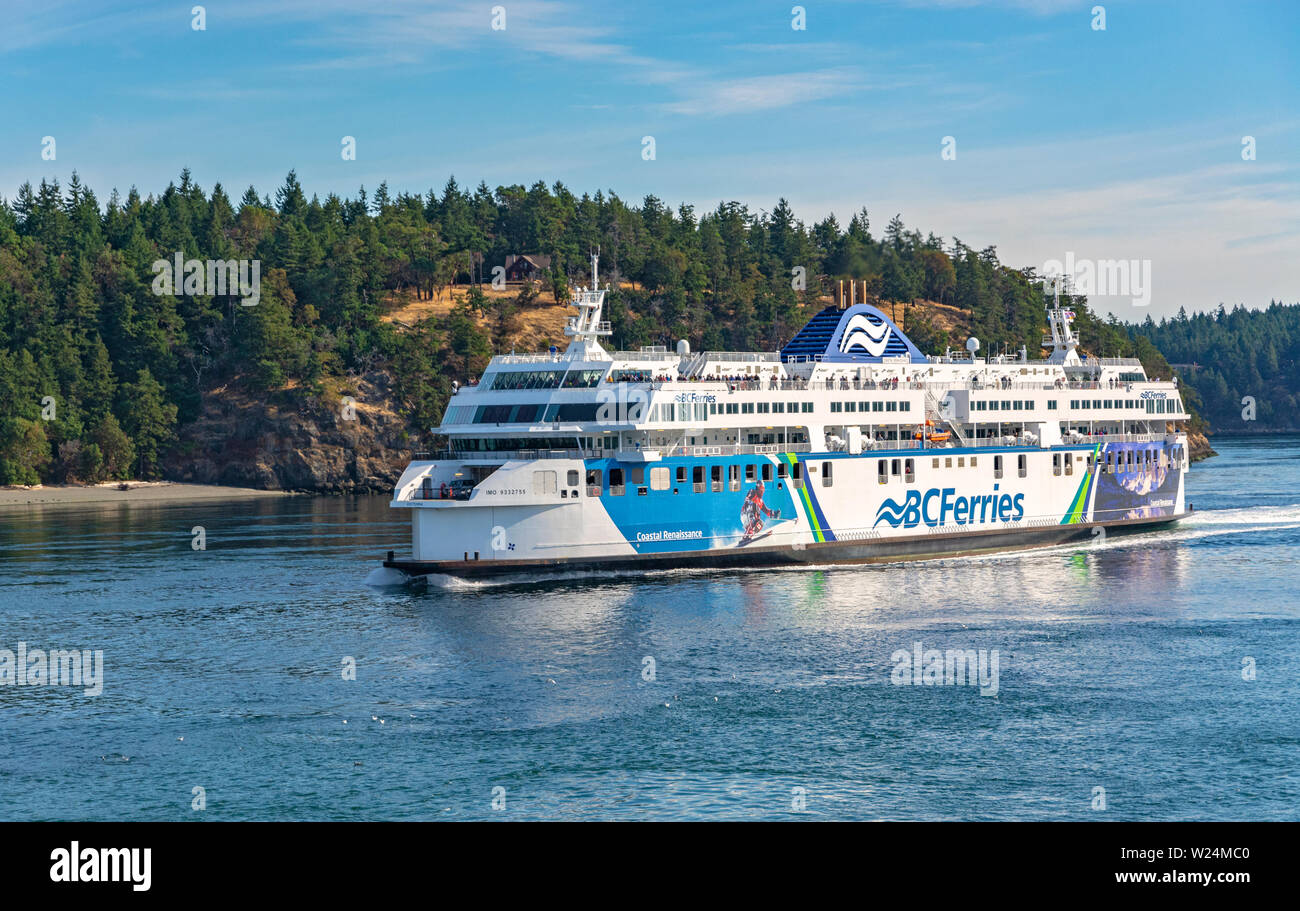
(587, 327)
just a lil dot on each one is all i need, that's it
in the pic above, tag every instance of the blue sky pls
(1122, 143)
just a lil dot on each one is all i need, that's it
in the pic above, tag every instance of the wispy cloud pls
(761, 93)
(31, 24)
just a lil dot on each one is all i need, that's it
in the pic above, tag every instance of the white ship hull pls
(526, 517)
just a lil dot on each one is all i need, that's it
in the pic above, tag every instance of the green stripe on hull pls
(1079, 504)
(816, 527)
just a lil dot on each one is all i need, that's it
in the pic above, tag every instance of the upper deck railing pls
(740, 357)
(1113, 361)
(529, 359)
(757, 449)
(657, 356)
(844, 384)
(729, 385)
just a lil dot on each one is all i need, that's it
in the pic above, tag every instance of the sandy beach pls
(136, 492)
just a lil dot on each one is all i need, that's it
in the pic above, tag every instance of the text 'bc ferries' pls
(847, 446)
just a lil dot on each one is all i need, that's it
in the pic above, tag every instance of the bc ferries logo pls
(938, 507)
(863, 332)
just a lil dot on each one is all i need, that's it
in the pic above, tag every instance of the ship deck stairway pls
(934, 412)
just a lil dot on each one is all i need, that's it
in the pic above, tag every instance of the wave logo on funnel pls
(871, 335)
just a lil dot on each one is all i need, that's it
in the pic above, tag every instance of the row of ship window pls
(545, 379)
(1153, 406)
(889, 470)
(670, 411)
(839, 407)
(530, 413)
(699, 411)
(716, 478)
(699, 478)
(1008, 405)
(1134, 460)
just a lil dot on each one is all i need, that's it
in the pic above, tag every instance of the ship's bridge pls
(859, 334)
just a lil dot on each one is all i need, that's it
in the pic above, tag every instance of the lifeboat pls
(928, 433)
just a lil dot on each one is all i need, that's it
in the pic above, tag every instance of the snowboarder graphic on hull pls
(754, 511)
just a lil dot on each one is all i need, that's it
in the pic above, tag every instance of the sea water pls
(278, 673)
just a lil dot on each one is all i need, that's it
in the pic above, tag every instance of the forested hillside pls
(103, 377)
(1236, 358)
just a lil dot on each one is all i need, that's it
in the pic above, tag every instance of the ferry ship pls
(849, 445)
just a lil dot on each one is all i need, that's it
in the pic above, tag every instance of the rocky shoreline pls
(1198, 447)
(350, 443)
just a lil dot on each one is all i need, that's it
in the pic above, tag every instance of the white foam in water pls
(1207, 524)
(454, 583)
(440, 580)
(386, 577)
(1251, 515)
